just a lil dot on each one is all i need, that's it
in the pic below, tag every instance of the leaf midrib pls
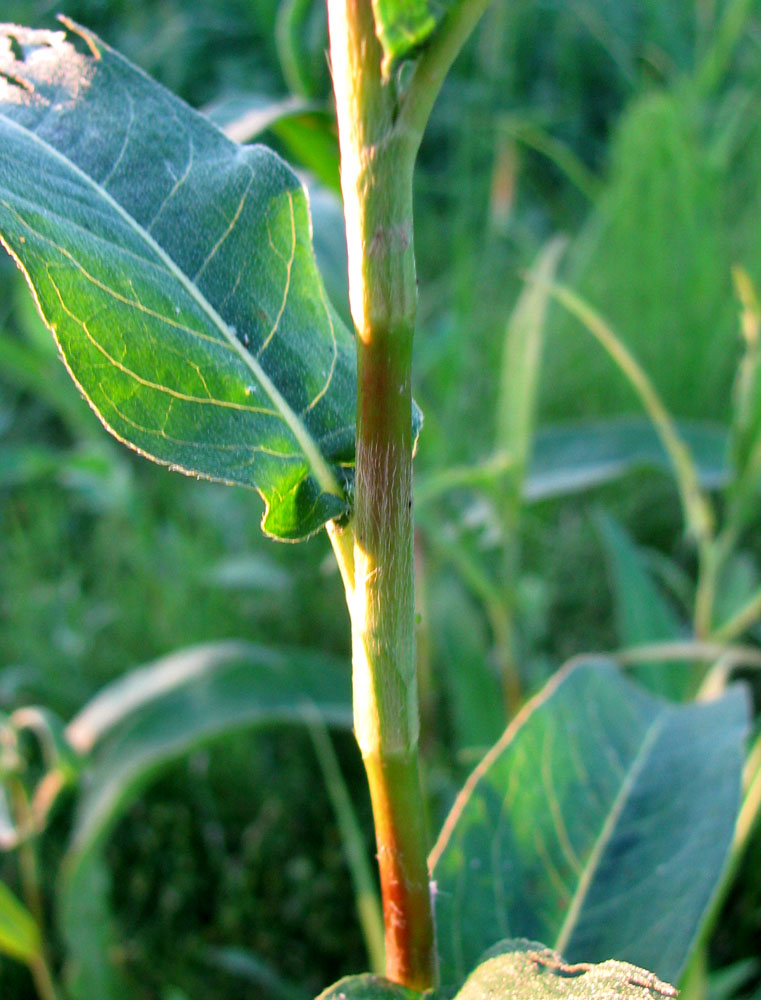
(321, 470)
(591, 867)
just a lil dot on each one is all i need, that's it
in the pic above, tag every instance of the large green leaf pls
(530, 971)
(600, 823)
(306, 129)
(176, 271)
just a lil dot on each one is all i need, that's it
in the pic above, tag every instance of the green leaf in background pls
(473, 695)
(88, 927)
(643, 615)
(530, 971)
(745, 430)
(8, 831)
(570, 458)
(521, 361)
(330, 249)
(600, 823)
(19, 934)
(367, 987)
(95, 474)
(176, 271)
(155, 714)
(152, 716)
(244, 965)
(655, 257)
(301, 39)
(746, 409)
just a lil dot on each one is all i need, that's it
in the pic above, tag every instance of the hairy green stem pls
(379, 130)
(377, 160)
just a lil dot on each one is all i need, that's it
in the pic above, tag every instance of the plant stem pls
(394, 781)
(365, 891)
(30, 885)
(433, 65)
(742, 620)
(376, 177)
(342, 540)
(705, 594)
(43, 979)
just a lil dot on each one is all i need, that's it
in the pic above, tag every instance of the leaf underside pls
(600, 824)
(176, 271)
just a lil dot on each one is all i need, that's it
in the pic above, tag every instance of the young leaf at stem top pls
(176, 271)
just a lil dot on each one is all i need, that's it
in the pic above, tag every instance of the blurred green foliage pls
(631, 127)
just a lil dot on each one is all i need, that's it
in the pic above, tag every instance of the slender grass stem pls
(742, 620)
(705, 594)
(751, 807)
(437, 484)
(27, 857)
(365, 892)
(498, 612)
(43, 979)
(653, 652)
(697, 509)
(728, 32)
(30, 888)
